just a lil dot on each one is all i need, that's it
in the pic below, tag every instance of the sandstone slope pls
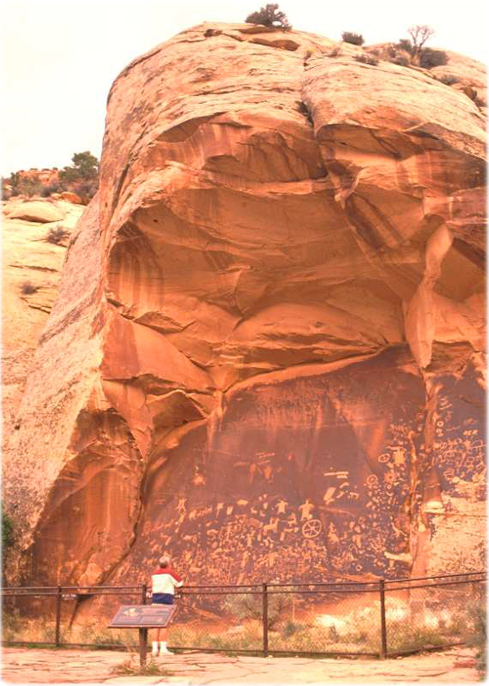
(31, 269)
(267, 350)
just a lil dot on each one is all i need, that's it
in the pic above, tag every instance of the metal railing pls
(379, 618)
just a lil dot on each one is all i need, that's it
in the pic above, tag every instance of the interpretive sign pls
(142, 617)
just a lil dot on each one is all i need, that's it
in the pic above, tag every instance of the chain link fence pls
(381, 618)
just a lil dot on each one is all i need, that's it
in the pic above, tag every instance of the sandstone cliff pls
(267, 350)
(31, 269)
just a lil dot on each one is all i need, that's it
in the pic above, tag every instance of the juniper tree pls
(270, 16)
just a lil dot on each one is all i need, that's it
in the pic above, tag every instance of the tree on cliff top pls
(419, 35)
(270, 16)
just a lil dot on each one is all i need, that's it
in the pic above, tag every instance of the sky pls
(60, 57)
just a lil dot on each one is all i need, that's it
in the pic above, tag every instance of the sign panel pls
(142, 616)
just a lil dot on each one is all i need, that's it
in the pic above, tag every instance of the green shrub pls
(478, 637)
(6, 189)
(11, 623)
(7, 531)
(8, 537)
(269, 16)
(14, 185)
(367, 59)
(432, 58)
(50, 189)
(290, 629)
(353, 38)
(406, 45)
(133, 668)
(401, 60)
(448, 80)
(303, 109)
(85, 189)
(25, 186)
(27, 288)
(82, 176)
(57, 235)
(245, 607)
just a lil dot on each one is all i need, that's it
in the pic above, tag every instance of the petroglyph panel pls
(309, 478)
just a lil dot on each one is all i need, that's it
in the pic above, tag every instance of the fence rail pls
(372, 618)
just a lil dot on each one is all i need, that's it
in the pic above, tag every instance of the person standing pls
(164, 581)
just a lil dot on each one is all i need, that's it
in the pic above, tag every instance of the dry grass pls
(437, 620)
(35, 631)
(132, 667)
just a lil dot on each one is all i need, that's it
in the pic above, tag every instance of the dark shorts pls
(162, 599)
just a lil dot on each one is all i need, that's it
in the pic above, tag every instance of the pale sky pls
(60, 57)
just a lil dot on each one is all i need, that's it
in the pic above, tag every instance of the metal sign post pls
(142, 617)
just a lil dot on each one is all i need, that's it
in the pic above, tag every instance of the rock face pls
(71, 197)
(266, 354)
(44, 176)
(31, 269)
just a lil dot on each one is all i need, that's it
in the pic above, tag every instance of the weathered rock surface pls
(266, 354)
(71, 197)
(38, 211)
(31, 665)
(31, 269)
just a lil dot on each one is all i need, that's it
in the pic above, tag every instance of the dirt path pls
(24, 665)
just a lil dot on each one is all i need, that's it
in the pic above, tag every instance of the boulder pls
(39, 211)
(69, 196)
(267, 351)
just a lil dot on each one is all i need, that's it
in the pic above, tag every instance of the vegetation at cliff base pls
(478, 638)
(7, 531)
(270, 16)
(7, 536)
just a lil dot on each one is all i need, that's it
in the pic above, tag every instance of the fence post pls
(265, 619)
(143, 633)
(57, 630)
(383, 626)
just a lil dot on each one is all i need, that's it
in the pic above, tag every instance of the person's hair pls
(164, 561)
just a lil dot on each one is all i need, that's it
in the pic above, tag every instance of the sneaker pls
(165, 651)
(154, 652)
